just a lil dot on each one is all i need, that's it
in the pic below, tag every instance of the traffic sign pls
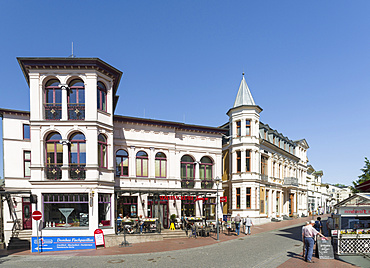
(36, 215)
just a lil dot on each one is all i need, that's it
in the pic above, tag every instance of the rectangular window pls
(248, 127)
(237, 197)
(248, 197)
(263, 165)
(27, 163)
(66, 210)
(238, 129)
(104, 210)
(26, 132)
(248, 160)
(238, 161)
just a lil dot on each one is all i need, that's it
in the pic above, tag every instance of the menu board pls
(325, 249)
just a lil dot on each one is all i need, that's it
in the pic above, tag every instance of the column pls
(64, 88)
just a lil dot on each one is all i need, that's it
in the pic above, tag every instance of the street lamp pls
(217, 181)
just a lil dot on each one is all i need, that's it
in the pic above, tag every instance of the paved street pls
(265, 248)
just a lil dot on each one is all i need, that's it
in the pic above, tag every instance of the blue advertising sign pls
(63, 243)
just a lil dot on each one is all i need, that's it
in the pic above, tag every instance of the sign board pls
(325, 249)
(99, 238)
(36, 215)
(223, 199)
(62, 243)
(354, 211)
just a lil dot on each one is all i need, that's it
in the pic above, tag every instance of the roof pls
(244, 96)
(162, 123)
(28, 63)
(359, 199)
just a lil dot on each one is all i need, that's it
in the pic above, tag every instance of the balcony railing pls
(76, 111)
(290, 181)
(207, 184)
(53, 111)
(187, 183)
(77, 172)
(54, 172)
(264, 177)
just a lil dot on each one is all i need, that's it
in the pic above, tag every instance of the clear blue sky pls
(306, 63)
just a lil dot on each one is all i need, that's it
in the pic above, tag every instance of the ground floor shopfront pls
(160, 204)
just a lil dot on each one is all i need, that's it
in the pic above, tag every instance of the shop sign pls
(349, 211)
(63, 243)
(99, 238)
(223, 199)
(175, 197)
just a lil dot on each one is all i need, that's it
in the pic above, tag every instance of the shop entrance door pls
(291, 204)
(161, 212)
(164, 214)
(26, 213)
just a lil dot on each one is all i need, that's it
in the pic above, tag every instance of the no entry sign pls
(36, 215)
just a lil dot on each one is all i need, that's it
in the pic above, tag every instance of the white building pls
(85, 165)
(264, 171)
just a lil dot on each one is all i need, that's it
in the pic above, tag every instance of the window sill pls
(66, 228)
(103, 112)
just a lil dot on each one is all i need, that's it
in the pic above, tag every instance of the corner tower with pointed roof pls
(244, 116)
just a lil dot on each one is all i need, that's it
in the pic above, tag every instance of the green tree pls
(363, 177)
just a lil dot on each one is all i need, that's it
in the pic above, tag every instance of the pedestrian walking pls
(307, 223)
(237, 220)
(308, 235)
(318, 225)
(248, 224)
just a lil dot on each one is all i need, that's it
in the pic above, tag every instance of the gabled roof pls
(244, 96)
(303, 142)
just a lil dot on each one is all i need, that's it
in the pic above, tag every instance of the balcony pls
(77, 172)
(53, 111)
(187, 183)
(54, 172)
(207, 184)
(76, 111)
(291, 181)
(264, 177)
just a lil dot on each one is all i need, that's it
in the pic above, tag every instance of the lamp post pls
(217, 181)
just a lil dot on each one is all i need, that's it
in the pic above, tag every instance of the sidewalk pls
(185, 243)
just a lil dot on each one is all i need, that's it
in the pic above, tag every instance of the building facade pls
(82, 165)
(264, 173)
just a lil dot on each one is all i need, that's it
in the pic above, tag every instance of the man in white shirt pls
(308, 235)
(248, 223)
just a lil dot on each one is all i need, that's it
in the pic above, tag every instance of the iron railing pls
(53, 111)
(187, 183)
(54, 172)
(76, 111)
(77, 172)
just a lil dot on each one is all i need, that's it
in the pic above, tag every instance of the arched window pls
(53, 100)
(205, 168)
(54, 156)
(76, 100)
(142, 164)
(160, 165)
(102, 97)
(121, 163)
(77, 156)
(102, 151)
(187, 172)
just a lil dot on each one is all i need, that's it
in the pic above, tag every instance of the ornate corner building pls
(264, 172)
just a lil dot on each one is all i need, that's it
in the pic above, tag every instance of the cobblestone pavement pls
(275, 244)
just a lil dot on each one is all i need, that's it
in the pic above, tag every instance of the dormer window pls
(102, 97)
(53, 100)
